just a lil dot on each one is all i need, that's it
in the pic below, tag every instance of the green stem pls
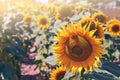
(78, 75)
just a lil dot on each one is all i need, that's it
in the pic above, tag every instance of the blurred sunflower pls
(34, 12)
(20, 6)
(65, 11)
(58, 73)
(38, 5)
(111, 21)
(77, 48)
(100, 17)
(72, 6)
(27, 19)
(78, 9)
(51, 9)
(87, 21)
(43, 21)
(57, 16)
(114, 29)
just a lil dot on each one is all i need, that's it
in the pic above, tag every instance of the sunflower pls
(113, 26)
(43, 21)
(114, 29)
(111, 21)
(77, 48)
(100, 17)
(72, 6)
(27, 19)
(51, 9)
(58, 73)
(65, 11)
(87, 21)
(57, 16)
(78, 9)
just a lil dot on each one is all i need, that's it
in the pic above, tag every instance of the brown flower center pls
(100, 18)
(65, 11)
(92, 26)
(78, 49)
(60, 75)
(28, 19)
(115, 28)
(43, 21)
(87, 23)
(84, 23)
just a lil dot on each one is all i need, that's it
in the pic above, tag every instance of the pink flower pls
(32, 55)
(29, 69)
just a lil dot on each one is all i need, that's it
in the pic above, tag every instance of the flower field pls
(59, 40)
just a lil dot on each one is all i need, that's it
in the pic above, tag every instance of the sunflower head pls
(43, 21)
(72, 6)
(58, 73)
(100, 17)
(89, 22)
(38, 5)
(58, 16)
(78, 9)
(112, 21)
(65, 11)
(51, 9)
(27, 19)
(77, 48)
(114, 28)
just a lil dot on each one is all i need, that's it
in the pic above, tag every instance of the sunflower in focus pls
(27, 19)
(43, 21)
(77, 48)
(100, 17)
(114, 28)
(58, 73)
(87, 21)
